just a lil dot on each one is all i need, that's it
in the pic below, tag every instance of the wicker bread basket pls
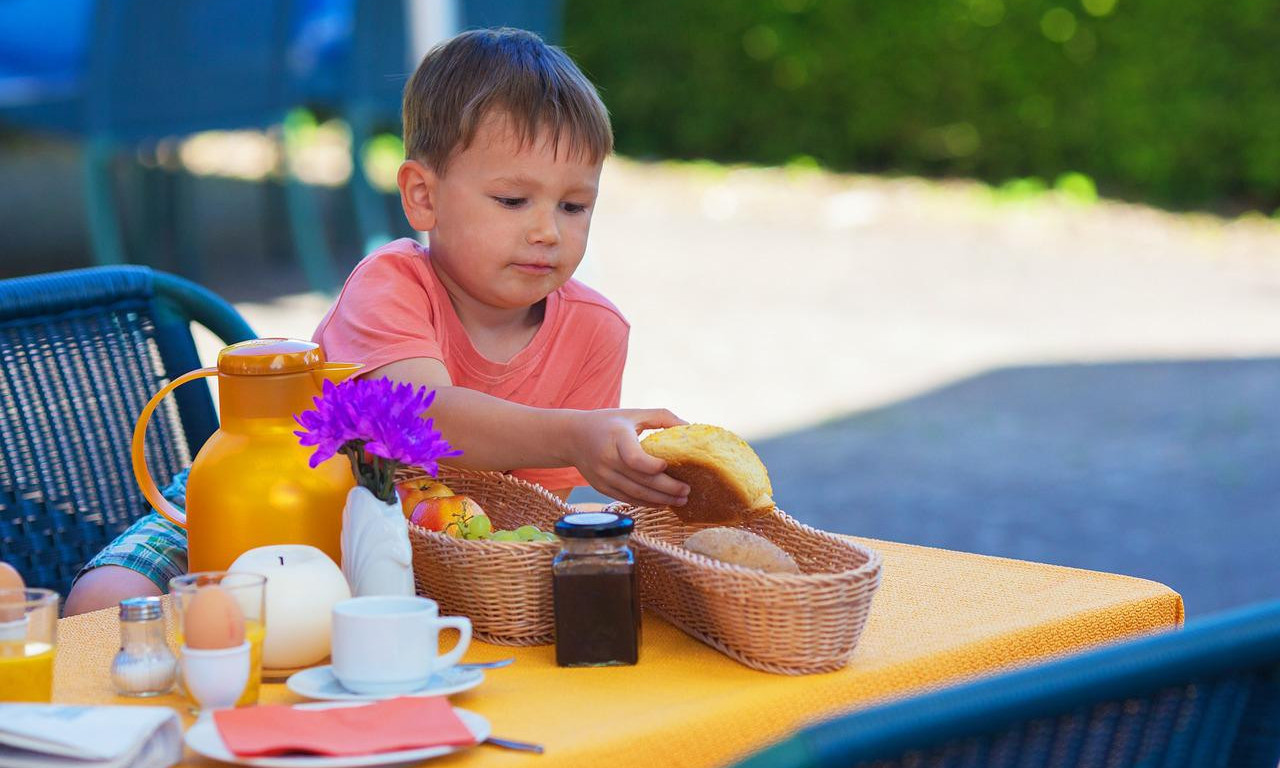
(792, 624)
(503, 587)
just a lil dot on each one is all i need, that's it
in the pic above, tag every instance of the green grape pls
(547, 536)
(504, 536)
(479, 527)
(527, 532)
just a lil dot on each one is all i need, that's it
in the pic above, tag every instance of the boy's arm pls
(104, 587)
(495, 434)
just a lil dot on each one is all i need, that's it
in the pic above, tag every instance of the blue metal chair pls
(159, 68)
(82, 352)
(42, 59)
(380, 64)
(370, 100)
(1206, 696)
(129, 73)
(546, 17)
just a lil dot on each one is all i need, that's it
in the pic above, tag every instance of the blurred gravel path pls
(1095, 386)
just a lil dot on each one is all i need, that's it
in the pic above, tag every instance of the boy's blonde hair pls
(466, 78)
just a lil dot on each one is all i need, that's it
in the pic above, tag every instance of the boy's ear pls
(417, 185)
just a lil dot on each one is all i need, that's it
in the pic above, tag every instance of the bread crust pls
(728, 484)
(715, 498)
(741, 547)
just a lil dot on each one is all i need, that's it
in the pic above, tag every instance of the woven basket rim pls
(414, 473)
(870, 567)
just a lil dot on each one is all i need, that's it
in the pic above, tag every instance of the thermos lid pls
(258, 357)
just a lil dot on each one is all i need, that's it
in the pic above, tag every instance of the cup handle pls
(463, 625)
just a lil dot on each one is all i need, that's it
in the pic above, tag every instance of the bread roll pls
(739, 547)
(728, 483)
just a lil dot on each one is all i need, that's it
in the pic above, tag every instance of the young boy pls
(505, 140)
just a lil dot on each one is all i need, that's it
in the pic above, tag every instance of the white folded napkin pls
(57, 736)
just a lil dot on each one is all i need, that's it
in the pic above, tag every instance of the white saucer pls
(319, 683)
(203, 737)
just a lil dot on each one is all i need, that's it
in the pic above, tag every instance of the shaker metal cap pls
(593, 525)
(140, 608)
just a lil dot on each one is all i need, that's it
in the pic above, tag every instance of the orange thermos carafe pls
(250, 485)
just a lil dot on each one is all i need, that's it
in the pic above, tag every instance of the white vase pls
(376, 556)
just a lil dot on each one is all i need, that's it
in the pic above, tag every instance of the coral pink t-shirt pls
(393, 307)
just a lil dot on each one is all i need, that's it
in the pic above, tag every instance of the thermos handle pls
(140, 470)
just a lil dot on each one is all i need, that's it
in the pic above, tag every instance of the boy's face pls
(508, 222)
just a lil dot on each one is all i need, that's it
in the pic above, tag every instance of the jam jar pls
(596, 591)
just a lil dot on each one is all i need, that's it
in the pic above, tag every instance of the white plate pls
(319, 683)
(203, 737)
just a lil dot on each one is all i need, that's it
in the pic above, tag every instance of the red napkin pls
(386, 726)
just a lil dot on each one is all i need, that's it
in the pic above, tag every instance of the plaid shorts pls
(152, 546)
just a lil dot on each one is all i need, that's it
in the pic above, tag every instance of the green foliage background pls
(1172, 101)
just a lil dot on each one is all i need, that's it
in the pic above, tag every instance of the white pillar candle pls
(303, 585)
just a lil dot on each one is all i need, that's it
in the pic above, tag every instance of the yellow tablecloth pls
(939, 617)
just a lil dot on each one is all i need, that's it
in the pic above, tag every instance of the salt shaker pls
(597, 597)
(144, 666)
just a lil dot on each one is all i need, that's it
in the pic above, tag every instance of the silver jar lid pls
(140, 608)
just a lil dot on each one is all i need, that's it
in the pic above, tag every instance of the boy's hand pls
(604, 448)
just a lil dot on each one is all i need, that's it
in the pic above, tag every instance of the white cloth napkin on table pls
(57, 736)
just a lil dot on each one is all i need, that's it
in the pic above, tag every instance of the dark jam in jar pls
(597, 596)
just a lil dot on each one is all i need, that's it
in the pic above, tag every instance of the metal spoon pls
(520, 746)
(487, 664)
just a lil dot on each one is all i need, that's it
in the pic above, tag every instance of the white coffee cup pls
(391, 644)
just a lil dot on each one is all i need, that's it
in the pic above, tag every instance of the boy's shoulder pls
(578, 297)
(395, 259)
(396, 273)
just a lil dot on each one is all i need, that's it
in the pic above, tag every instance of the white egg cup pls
(14, 631)
(216, 678)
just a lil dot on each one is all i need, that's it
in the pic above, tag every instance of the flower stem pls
(374, 473)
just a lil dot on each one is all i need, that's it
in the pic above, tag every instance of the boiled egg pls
(11, 597)
(213, 620)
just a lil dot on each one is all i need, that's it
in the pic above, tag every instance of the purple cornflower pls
(379, 426)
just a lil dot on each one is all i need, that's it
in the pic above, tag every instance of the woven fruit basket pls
(791, 624)
(504, 587)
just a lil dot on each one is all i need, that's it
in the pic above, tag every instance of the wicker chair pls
(1208, 695)
(81, 352)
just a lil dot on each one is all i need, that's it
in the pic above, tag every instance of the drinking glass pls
(249, 591)
(28, 634)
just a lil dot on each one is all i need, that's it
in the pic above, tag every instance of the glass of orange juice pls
(249, 590)
(28, 634)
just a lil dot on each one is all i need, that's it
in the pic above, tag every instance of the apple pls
(448, 514)
(414, 492)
